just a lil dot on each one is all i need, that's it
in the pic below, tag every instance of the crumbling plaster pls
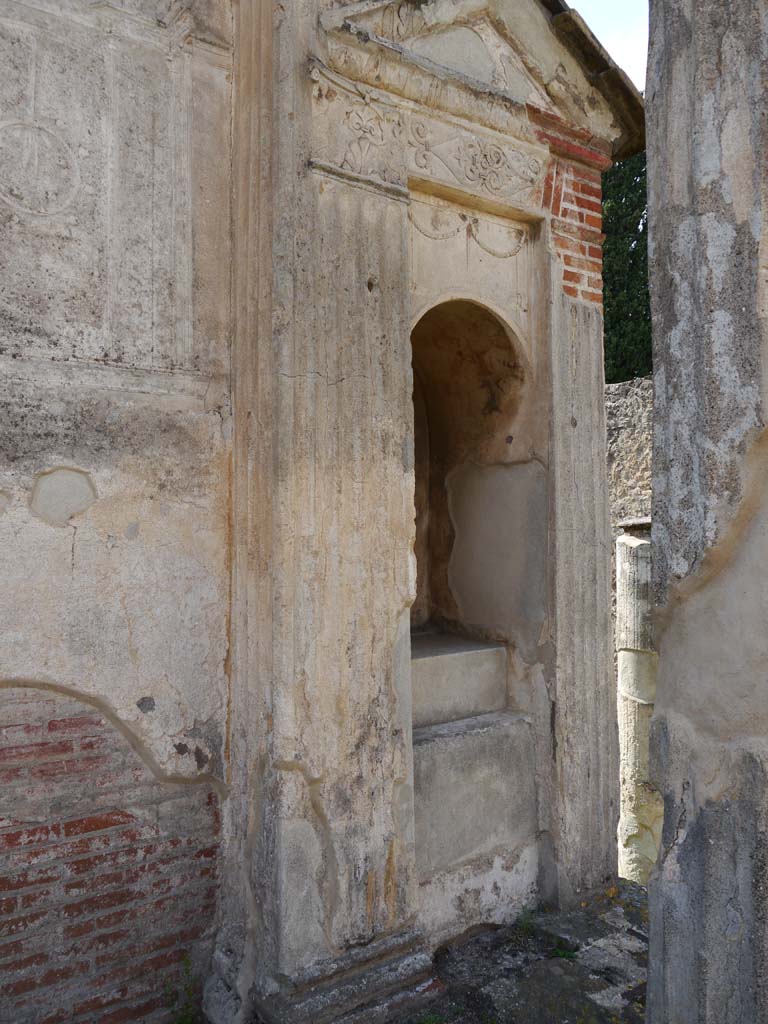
(708, 235)
(115, 431)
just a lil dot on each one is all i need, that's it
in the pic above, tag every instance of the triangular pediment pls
(458, 36)
(537, 52)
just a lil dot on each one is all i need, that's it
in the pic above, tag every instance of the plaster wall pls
(114, 346)
(115, 474)
(708, 234)
(476, 819)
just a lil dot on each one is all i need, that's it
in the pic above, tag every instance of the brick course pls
(572, 192)
(108, 877)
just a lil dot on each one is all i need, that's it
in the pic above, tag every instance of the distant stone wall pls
(629, 419)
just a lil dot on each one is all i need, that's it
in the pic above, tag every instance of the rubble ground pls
(585, 966)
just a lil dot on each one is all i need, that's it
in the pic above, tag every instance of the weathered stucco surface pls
(706, 91)
(114, 336)
(229, 224)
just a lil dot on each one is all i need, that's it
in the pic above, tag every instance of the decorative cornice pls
(364, 25)
(366, 181)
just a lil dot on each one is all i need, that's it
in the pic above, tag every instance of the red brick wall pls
(107, 875)
(573, 193)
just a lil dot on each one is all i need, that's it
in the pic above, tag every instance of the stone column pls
(707, 151)
(641, 806)
(584, 732)
(319, 881)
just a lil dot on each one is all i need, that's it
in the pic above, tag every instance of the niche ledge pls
(454, 677)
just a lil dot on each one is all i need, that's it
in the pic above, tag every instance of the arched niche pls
(469, 384)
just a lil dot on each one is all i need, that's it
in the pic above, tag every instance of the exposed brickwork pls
(107, 876)
(573, 193)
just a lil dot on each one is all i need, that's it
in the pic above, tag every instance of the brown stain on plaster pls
(370, 896)
(718, 558)
(125, 731)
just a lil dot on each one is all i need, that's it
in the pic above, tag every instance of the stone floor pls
(587, 966)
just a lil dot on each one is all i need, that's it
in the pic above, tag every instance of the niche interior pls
(468, 387)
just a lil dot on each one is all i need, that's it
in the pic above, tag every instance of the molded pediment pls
(537, 52)
(459, 36)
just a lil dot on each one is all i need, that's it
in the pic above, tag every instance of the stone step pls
(454, 677)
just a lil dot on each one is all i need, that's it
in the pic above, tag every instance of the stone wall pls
(708, 230)
(629, 424)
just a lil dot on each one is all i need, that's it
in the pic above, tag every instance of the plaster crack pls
(323, 376)
(679, 827)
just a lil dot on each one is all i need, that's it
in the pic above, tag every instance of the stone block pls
(455, 677)
(474, 788)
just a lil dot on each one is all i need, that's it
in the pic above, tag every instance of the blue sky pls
(622, 28)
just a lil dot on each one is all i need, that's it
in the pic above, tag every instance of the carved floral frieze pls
(366, 153)
(475, 161)
(370, 137)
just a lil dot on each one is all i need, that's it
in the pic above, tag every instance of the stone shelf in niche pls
(455, 677)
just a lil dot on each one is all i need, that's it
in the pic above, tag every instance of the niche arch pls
(470, 381)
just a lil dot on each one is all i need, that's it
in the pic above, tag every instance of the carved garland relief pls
(499, 240)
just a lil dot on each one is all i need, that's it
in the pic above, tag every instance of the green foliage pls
(524, 923)
(625, 269)
(562, 951)
(562, 954)
(184, 1004)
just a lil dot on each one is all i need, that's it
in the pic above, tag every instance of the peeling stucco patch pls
(720, 556)
(60, 493)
